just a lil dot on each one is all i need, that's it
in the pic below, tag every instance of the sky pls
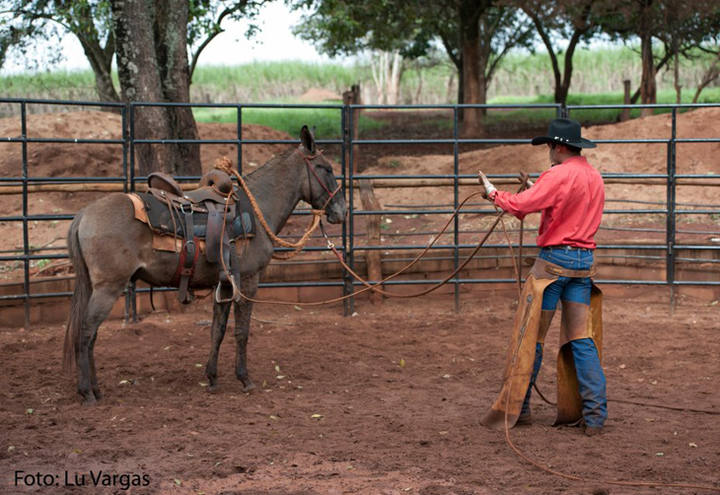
(273, 42)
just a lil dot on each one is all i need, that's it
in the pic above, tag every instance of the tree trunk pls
(152, 67)
(676, 74)
(171, 40)
(710, 75)
(472, 117)
(648, 89)
(393, 81)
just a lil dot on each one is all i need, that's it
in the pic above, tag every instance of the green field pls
(326, 121)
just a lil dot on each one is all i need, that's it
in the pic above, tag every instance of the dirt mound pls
(102, 160)
(641, 158)
(319, 95)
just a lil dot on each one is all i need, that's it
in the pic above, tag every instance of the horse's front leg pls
(243, 311)
(221, 311)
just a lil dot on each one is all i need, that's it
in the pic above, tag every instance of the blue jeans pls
(566, 288)
(591, 378)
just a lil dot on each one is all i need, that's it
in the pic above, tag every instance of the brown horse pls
(109, 248)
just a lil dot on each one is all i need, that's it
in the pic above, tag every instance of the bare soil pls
(385, 402)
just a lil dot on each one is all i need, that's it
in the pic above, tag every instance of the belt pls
(566, 247)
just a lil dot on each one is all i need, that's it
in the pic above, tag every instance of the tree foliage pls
(563, 21)
(665, 28)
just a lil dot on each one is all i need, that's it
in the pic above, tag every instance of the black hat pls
(564, 131)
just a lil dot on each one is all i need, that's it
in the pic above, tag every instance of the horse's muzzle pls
(336, 213)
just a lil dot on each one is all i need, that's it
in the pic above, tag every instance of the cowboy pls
(570, 196)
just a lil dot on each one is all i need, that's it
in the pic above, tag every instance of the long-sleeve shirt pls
(570, 195)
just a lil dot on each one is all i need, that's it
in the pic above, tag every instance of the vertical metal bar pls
(347, 281)
(26, 236)
(124, 123)
(131, 138)
(456, 203)
(239, 136)
(670, 221)
(350, 306)
(131, 295)
(126, 188)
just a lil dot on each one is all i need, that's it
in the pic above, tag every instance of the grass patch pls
(326, 121)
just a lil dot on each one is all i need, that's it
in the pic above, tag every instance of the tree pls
(153, 67)
(676, 25)
(390, 31)
(151, 41)
(571, 20)
(88, 20)
(487, 31)
(475, 35)
(91, 22)
(711, 73)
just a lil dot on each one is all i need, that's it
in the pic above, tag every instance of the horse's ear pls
(307, 139)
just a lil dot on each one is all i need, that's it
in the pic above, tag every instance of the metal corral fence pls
(347, 126)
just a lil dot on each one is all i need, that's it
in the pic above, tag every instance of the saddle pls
(209, 219)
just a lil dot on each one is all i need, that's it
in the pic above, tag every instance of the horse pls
(109, 248)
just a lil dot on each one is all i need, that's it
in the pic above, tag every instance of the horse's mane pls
(282, 156)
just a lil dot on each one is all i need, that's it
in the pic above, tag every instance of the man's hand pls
(525, 179)
(490, 190)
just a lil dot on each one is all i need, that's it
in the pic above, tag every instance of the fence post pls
(670, 225)
(25, 233)
(129, 138)
(352, 97)
(348, 225)
(625, 114)
(372, 257)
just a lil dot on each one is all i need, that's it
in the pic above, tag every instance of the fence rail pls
(25, 185)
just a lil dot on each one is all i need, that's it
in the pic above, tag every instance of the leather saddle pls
(216, 213)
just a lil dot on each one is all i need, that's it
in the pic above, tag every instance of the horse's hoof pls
(248, 386)
(90, 400)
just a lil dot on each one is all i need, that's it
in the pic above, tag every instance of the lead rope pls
(297, 246)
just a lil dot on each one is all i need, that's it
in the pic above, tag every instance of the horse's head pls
(322, 190)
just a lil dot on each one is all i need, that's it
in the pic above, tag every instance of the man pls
(570, 196)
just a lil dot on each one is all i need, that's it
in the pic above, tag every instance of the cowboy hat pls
(564, 131)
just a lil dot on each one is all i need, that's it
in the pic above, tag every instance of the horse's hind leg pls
(221, 311)
(99, 306)
(243, 312)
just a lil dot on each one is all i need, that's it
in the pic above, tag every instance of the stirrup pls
(235, 296)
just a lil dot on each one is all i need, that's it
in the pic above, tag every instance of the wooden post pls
(352, 97)
(372, 258)
(625, 114)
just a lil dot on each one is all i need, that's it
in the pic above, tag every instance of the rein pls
(317, 214)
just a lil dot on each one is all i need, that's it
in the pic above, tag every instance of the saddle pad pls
(156, 214)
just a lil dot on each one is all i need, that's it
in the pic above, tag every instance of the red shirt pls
(570, 195)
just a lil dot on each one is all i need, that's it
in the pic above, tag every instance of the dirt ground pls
(387, 401)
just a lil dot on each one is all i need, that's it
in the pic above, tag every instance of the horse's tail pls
(80, 297)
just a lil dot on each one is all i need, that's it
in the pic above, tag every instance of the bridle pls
(308, 161)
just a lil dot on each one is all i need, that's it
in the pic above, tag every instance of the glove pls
(524, 178)
(490, 190)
